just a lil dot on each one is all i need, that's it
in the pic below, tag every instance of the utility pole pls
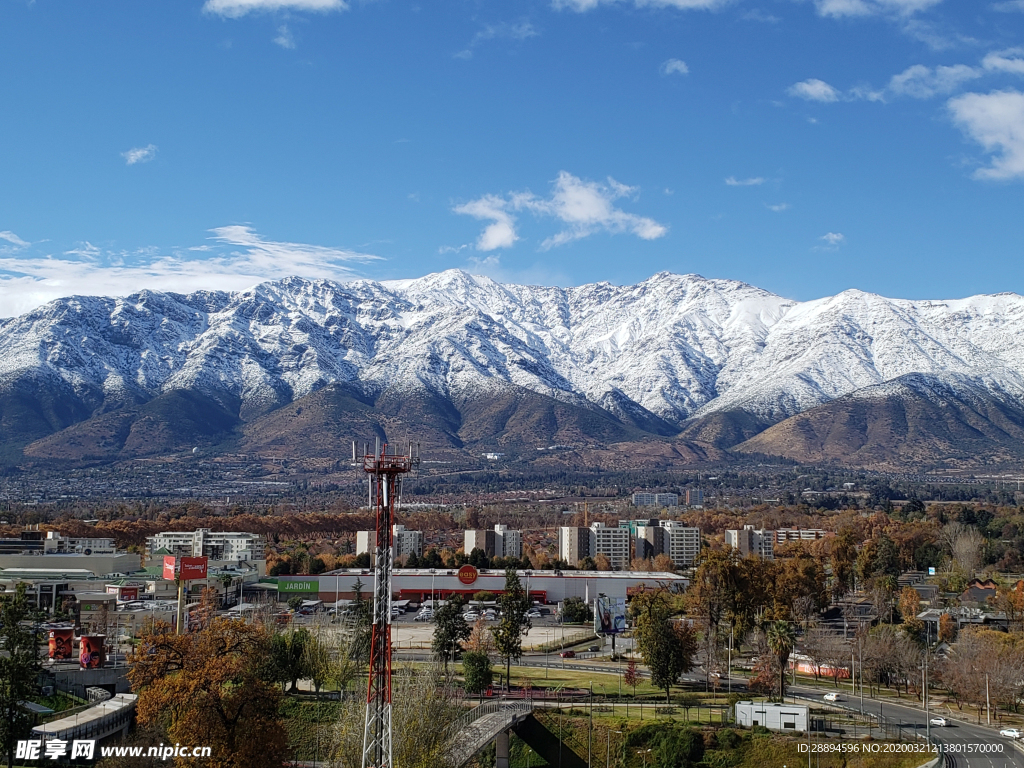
(728, 669)
(988, 708)
(384, 472)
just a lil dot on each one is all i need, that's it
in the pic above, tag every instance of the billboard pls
(92, 655)
(468, 574)
(61, 641)
(305, 585)
(609, 615)
(184, 568)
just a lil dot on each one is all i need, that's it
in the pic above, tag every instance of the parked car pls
(939, 721)
(471, 616)
(831, 697)
(1013, 733)
(533, 614)
(568, 654)
(594, 648)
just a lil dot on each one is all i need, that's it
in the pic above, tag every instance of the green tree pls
(667, 647)
(508, 635)
(288, 657)
(19, 664)
(476, 668)
(450, 629)
(781, 638)
(575, 611)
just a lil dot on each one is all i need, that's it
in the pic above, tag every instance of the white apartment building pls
(750, 542)
(403, 542)
(782, 535)
(508, 541)
(613, 543)
(668, 537)
(655, 499)
(221, 547)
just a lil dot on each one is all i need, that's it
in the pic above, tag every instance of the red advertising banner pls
(169, 567)
(61, 641)
(92, 655)
(129, 593)
(193, 568)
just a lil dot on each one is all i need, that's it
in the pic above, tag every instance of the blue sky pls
(805, 146)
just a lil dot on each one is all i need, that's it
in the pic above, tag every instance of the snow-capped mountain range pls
(678, 347)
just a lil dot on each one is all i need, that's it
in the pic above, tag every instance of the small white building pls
(774, 717)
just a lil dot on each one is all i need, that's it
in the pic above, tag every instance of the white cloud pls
(581, 6)
(13, 239)
(241, 258)
(732, 181)
(833, 238)
(996, 121)
(504, 31)
(778, 207)
(234, 9)
(1009, 6)
(814, 90)
(920, 82)
(674, 67)
(1011, 60)
(586, 207)
(139, 154)
(284, 37)
(902, 8)
(758, 15)
(501, 232)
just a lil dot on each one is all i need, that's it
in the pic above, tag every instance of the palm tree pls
(781, 639)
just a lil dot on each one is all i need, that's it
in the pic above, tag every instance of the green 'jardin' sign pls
(298, 586)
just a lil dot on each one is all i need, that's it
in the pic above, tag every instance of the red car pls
(568, 654)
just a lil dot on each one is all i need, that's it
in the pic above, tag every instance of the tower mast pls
(384, 472)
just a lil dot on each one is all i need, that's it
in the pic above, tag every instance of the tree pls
(514, 624)
(19, 665)
(288, 656)
(843, 557)
(947, 628)
(450, 628)
(632, 675)
(663, 563)
(480, 638)
(587, 564)
(909, 604)
(476, 668)
(575, 611)
(781, 638)
(601, 562)
(667, 647)
(212, 687)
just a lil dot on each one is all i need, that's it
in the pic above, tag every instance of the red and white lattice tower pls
(385, 472)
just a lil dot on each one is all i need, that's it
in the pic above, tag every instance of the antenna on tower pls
(385, 473)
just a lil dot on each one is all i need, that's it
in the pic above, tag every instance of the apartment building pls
(221, 547)
(751, 542)
(782, 535)
(403, 542)
(655, 500)
(668, 537)
(501, 542)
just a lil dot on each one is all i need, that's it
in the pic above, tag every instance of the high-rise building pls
(403, 542)
(573, 544)
(613, 543)
(511, 541)
(501, 542)
(751, 542)
(694, 497)
(668, 537)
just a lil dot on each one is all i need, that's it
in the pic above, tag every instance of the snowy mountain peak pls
(672, 347)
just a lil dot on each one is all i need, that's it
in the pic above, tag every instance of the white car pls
(471, 616)
(1013, 733)
(939, 721)
(831, 697)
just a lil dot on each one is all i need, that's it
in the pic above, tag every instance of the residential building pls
(403, 542)
(655, 500)
(221, 547)
(695, 497)
(668, 537)
(480, 539)
(750, 542)
(574, 544)
(782, 535)
(511, 542)
(613, 543)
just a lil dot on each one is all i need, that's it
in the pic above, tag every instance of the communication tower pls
(385, 472)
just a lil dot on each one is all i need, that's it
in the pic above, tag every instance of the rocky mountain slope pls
(473, 364)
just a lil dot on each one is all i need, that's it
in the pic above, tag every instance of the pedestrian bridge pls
(496, 721)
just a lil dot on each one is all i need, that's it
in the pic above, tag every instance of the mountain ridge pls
(711, 362)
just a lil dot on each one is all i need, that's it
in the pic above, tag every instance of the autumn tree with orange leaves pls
(210, 688)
